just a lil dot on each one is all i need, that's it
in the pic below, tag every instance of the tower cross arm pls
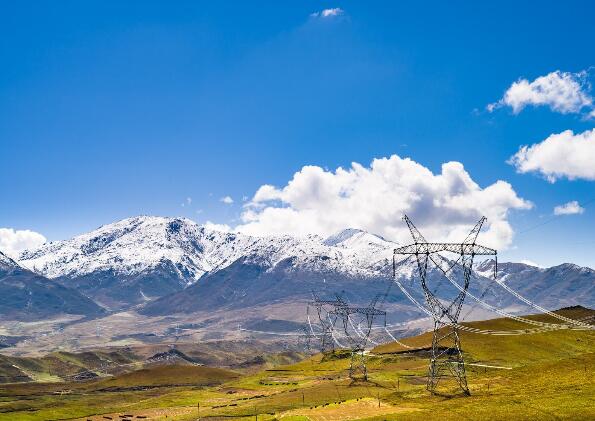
(343, 311)
(337, 302)
(458, 248)
(370, 311)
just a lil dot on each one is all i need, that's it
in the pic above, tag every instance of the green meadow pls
(542, 376)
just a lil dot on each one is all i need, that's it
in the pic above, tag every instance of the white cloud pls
(217, 227)
(327, 13)
(13, 242)
(570, 208)
(227, 200)
(444, 206)
(560, 155)
(563, 92)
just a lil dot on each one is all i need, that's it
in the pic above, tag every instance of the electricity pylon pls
(357, 368)
(326, 319)
(446, 358)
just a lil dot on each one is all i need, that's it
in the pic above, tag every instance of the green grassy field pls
(543, 376)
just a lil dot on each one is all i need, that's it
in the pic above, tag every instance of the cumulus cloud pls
(560, 155)
(444, 206)
(570, 208)
(227, 200)
(13, 242)
(563, 92)
(217, 227)
(328, 13)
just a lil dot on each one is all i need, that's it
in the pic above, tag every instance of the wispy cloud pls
(328, 13)
(227, 200)
(562, 92)
(560, 155)
(531, 263)
(570, 208)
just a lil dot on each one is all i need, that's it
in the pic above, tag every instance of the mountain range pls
(162, 266)
(140, 259)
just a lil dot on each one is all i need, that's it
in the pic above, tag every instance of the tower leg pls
(358, 369)
(446, 360)
(328, 344)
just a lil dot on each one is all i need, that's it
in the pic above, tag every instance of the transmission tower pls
(326, 319)
(446, 360)
(357, 342)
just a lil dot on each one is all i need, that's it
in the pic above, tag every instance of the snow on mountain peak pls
(341, 236)
(139, 244)
(129, 245)
(6, 263)
(353, 237)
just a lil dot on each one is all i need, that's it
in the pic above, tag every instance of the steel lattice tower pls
(326, 320)
(446, 360)
(357, 367)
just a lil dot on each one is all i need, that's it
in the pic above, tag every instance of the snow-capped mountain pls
(175, 265)
(142, 258)
(135, 245)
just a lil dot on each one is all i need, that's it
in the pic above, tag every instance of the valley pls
(502, 375)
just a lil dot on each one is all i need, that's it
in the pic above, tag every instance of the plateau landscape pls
(303, 211)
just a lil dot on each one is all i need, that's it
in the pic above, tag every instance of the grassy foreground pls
(542, 376)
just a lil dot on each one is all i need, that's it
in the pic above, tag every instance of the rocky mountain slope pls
(27, 296)
(250, 282)
(558, 286)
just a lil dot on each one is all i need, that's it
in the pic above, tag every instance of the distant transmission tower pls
(446, 360)
(360, 336)
(326, 320)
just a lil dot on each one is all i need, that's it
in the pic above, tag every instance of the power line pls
(553, 218)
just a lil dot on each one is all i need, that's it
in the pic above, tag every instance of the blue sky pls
(114, 109)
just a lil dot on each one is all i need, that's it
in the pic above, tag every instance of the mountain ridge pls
(148, 256)
(141, 260)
